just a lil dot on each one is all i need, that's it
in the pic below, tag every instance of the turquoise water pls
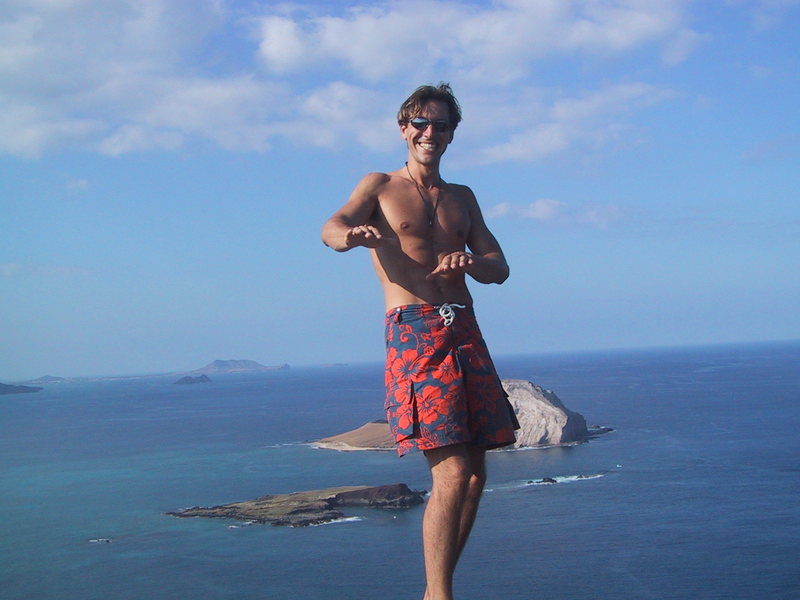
(694, 495)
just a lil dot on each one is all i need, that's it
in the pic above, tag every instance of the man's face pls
(427, 146)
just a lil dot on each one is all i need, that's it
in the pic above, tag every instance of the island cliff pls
(543, 418)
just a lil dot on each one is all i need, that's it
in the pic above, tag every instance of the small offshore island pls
(189, 380)
(17, 389)
(236, 366)
(301, 509)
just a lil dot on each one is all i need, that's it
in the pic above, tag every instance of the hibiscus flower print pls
(448, 371)
(404, 366)
(431, 405)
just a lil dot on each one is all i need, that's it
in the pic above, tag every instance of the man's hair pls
(425, 93)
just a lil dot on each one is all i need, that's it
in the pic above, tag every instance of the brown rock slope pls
(370, 436)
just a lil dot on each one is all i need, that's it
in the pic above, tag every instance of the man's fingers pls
(456, 262)
(363, 235)
(363, 231)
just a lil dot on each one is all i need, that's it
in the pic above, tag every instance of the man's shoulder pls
(459, 188)
(462, 192)
(376, 177)
(373, 183)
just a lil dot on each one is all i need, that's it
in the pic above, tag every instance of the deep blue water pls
(694, 495)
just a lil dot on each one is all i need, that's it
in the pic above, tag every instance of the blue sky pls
(166, 165)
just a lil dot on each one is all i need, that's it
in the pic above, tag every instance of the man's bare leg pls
(458, 474)
(472, 500)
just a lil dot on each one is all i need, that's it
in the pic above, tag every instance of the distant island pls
(300, 509)
(49, 379)
(17, 389)
(216, 367)
(236, 366)
(189, 380)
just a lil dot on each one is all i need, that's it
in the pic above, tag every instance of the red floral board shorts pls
(441, 384)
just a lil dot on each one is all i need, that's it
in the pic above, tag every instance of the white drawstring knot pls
(447, 313)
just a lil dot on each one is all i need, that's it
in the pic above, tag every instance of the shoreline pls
(345, 447)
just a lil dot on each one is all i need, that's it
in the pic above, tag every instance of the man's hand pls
(455, 262)
(364, 235)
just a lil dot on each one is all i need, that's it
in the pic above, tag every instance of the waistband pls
(447, 311)
(425, 309)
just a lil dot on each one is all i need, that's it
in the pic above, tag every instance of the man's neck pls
(425, 175)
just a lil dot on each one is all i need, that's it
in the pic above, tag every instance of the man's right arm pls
(349, 226)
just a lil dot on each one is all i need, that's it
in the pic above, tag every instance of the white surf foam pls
(335, 521)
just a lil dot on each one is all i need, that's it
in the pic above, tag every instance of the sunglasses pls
(421, 124)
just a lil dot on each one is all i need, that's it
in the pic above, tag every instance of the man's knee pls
(455, 466)
(477, 480)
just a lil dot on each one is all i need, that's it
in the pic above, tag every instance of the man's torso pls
(425, 231)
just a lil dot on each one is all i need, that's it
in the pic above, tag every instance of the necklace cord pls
(431, 216)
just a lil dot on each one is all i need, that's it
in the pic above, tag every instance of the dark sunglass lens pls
(440, 125)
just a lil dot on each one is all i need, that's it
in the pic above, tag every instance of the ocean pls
(694, 495)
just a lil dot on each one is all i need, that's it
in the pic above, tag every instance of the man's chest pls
(442, 216)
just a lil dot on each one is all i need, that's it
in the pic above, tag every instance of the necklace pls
(432, 215)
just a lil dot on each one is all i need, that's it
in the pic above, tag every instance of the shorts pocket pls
(400, 412)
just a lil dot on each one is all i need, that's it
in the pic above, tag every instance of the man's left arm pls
(485, 262)
(488, 261)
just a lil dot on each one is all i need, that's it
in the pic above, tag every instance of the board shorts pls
(441, 385)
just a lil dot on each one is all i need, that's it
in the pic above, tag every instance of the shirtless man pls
(443, 394)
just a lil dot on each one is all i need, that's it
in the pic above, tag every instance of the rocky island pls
(543, 419)
(236, 366)
(189, 380)
(17, 389)
(300, 509)
(48, 379)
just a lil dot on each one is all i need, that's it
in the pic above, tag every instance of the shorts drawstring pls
(447, 313)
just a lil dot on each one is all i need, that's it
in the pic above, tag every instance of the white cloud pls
(544, 209)
(135, 138)
(540, 141)
(73, 72)
(768, 14)
(120, 76)
(601, 215)
(499, 41)
(571, 122)
(497, 211)
(281, 46)
(547, 210)
(682, 45)
(233, 112)
(29, 130)
(343, 110)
